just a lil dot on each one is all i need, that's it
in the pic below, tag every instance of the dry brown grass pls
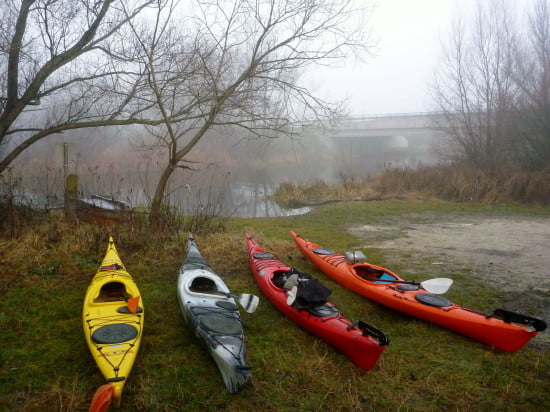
(454, 182)
(62, 398)
(318, 191)
(461, 182)
(46, 364)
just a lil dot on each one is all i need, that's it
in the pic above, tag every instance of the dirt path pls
(513, 252)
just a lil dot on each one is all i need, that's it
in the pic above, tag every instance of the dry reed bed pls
(454, 182)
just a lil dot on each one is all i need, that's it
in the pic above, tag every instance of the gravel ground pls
(509, 251)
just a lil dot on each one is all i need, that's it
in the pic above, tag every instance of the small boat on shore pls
(310, 310)
(211, 310)
(103, 210)
(502, 329)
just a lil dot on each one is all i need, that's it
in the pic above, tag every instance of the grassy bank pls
(44, 362)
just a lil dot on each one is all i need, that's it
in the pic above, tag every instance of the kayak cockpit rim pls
(372, 274)
(205, 283)
(112, 291)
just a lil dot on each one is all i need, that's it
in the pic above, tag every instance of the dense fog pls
(224, 168)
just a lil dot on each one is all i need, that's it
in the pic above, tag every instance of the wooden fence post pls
(71, 196)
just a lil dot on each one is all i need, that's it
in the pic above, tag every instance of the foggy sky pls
(396, 78)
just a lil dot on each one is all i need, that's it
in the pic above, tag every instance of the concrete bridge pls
(368, 143)
(407, 125)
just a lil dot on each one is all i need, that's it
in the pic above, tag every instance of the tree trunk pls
(156, 204)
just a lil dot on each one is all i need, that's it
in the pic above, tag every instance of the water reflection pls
(233, 200)
(254, 201)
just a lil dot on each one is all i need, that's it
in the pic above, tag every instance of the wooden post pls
(65, 160)
(71, 196)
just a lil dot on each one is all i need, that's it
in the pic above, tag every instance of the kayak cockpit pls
(369, 273)
(312, 295)
(112, 292)
(202, 284)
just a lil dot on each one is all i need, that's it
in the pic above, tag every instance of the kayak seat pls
(279, 278)
(112, 292)
(126, 310)
(202, 284)
(385, 277)
(373, 275)
(433, 300)
(115, 333)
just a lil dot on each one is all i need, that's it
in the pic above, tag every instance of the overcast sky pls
(395, 79)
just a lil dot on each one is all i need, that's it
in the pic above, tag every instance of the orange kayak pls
(503, 329)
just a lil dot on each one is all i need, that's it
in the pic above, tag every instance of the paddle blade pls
(133, 304)
(292, 295)
(102, 398)
(249, 302)
(437, 285)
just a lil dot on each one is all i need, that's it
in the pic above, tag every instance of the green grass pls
(45, 364)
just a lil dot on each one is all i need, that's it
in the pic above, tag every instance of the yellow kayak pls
(113, 324)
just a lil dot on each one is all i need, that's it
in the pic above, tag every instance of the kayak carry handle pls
(509, 316)
(117, 379)
(369, 330)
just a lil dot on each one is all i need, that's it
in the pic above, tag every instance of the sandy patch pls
(509, 253)
(513, 252)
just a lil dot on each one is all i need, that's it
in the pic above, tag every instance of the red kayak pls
(503, 329)
(362, 343)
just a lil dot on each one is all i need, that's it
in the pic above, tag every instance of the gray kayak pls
(209, 308)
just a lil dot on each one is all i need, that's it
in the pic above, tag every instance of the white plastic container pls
(355, 257)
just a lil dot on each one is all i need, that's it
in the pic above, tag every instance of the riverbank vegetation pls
(45, 363)
(458, 182)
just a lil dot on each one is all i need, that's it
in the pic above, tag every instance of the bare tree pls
(494, 87)
(532, 75)
(240, 67)
(57, 70)
(474, 90)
